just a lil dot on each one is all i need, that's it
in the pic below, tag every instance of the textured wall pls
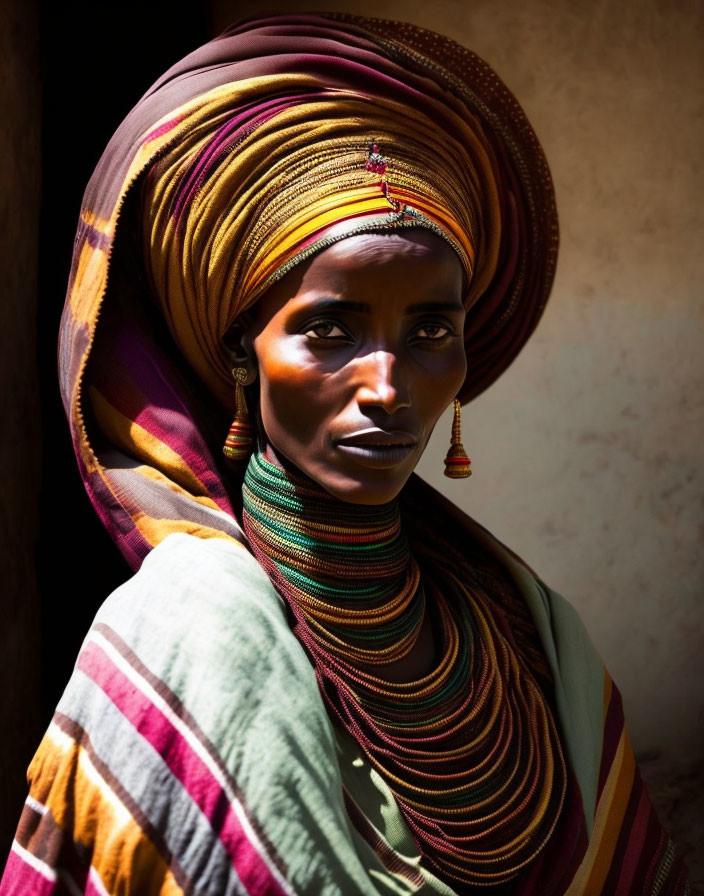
(587, 452)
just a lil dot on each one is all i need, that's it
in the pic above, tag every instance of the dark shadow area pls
(93, 69)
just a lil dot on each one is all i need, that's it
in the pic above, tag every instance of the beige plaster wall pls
(587, 453)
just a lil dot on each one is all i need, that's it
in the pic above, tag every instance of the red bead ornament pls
(376, 161)
(377, 164)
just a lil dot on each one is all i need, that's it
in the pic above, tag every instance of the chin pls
(366, 497)
(364, 490)
(359, 483)
(349, 481)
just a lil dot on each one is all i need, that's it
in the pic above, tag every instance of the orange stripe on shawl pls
(145, 446)
(155, 530)
(90, 277)
(63, 778)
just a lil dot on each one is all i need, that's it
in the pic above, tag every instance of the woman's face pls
(359, 351)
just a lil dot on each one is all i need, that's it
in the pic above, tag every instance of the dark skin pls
(358, 352)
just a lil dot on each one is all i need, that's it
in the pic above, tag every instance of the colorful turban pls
(279, 137)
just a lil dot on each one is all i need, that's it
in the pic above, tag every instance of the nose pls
(382, 383)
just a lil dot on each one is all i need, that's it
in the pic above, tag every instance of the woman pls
(322, 677)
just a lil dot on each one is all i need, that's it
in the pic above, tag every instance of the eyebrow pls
(365, 307)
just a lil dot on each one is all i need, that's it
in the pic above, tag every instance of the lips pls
(379, 438)
(377, 448)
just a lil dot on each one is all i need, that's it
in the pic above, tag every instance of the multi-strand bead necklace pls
(470, 750)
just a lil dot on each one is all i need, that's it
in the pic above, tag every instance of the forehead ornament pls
(377, 164)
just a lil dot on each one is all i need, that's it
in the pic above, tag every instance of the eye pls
(432, 332)
(325, 329)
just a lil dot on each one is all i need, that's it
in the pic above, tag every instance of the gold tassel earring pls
(457, 464)
(239, 441)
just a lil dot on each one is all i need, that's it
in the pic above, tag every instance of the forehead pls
(416, 263)
(365, 256)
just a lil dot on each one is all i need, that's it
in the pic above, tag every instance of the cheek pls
(441, 381)
(294, 395)
(457, 369)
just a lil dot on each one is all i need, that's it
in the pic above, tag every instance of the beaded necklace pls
(470, 750)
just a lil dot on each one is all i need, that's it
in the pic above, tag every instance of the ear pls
(238, 342)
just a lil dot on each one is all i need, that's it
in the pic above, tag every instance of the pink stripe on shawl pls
(200, 783)
(21, 879)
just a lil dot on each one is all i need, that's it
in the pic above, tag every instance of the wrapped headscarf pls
(279, 137)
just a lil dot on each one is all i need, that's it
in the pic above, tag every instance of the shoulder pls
(432, 516)
(200, 596)
(220, 572)
(564, 638)
(201, 619)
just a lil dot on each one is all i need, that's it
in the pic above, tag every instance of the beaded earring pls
(239, 442)
(457, 464)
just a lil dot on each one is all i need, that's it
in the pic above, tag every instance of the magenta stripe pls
(226, 136)
(162, 129)
(137, 380)
(613, 728)
(20, 879)
(633, 852)
(91, 889)
(186, 766)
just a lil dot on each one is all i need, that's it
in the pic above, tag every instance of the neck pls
(345, 569)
